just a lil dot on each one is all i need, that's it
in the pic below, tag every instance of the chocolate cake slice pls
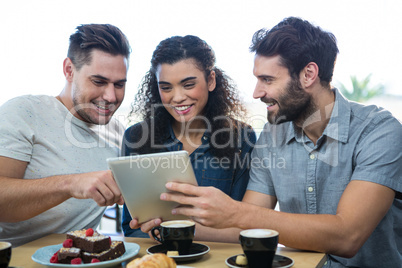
(65, 255)
(116, 250)
(94, 244)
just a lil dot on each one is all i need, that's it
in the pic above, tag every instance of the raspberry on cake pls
(68, 243)
(89, 232)
(76, 261)
(54, 258)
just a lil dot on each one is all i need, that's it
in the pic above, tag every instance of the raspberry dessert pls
(87, 246)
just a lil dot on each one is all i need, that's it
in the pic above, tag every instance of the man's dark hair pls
(298, 42)
(104, 37)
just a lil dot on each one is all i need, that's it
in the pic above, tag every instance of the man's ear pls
(309, 75)
(68, 69)
(212, 81)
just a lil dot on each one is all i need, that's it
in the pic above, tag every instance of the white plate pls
(43, 255)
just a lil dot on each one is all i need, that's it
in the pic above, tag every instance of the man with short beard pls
(53, 172)
(339, 181)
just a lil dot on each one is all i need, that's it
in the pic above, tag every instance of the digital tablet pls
(142, 179)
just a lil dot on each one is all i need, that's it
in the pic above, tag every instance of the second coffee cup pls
(176, 235)
(259, 246)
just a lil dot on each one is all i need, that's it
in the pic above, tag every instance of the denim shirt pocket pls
(220, 178)
(331, 189)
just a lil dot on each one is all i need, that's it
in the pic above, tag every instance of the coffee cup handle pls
(154, 235)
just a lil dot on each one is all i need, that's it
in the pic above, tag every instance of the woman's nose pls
(179, 95)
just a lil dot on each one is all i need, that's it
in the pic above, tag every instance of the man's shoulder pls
(27, 100)
(371, 114)
(27, 105)
(33, 98)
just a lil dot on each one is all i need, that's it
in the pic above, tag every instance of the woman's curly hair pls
(223, 108)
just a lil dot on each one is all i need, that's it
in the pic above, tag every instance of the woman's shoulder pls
(135, 126)
(135, 131)
(245, 132)
(139, 127)
(244, 128)
(240, 124)
(137, 138)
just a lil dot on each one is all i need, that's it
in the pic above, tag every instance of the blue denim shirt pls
(359, 143)
(230, 177)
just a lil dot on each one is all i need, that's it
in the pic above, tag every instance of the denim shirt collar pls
(170, 134)
(338, 126)
(170, 138)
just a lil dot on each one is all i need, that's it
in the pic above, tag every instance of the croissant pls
(158, 260)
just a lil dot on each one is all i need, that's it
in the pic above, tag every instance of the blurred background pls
(34, 41)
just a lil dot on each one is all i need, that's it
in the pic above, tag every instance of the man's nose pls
(109, 93)
(258, 91)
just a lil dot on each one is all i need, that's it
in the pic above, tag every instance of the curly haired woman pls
(187, 103)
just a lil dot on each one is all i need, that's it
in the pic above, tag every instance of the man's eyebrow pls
(266, 76)
(97, 76)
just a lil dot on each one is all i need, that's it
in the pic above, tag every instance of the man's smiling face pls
(285, 98)
(98, 88)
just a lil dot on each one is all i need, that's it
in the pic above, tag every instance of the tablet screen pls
(142, 179)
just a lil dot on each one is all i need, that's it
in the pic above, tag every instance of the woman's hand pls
(146, 226)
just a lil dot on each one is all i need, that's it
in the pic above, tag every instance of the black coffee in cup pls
(176, 235)
(5, 254)
(259, 246)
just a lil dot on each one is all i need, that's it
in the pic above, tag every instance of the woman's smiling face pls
(183, 89)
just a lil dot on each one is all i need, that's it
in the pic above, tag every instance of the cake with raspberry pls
(89, 241)
(65, 255)
(116, 249)
(87, 246)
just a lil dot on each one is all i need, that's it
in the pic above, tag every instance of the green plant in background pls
(361, 90)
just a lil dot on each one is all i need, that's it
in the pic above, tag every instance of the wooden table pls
(219, 252)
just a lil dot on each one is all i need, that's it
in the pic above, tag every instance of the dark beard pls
(294, 105)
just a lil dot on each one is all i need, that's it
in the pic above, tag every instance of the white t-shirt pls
(41, 131)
